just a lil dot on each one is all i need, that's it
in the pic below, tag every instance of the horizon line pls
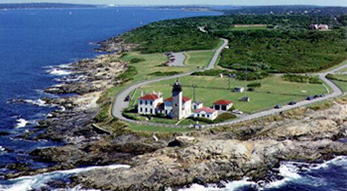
(146, 5)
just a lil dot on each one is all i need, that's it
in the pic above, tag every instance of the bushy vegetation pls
(286, 45)
(295, 51)
(128, 75)
(254, 85)
(170, 73)
(221, 118)
(239, 75)
(224, 117)
(171, 35)
(137, 60)
(213, 72)
(336, 77)
(302, 79)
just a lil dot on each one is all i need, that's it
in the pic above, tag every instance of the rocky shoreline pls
(73, 124)
(229, 153)
(250, 150)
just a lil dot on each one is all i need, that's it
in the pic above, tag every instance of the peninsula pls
(203, 100)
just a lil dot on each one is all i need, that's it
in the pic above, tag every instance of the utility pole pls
(194, 93)
(229, 81)
(246, 78)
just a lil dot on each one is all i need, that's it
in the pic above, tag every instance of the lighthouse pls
(177, 95)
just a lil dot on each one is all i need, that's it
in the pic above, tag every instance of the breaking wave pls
(298, 175)
(38, 102)
(21, 123)
(59, 72)
(36, 182)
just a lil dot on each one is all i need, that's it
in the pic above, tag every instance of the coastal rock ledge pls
(209, 161)
(231, 153)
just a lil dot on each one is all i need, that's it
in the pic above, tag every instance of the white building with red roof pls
(207, 113)
(148, 104)
(222, 105)
(186, 107)
(177, 107)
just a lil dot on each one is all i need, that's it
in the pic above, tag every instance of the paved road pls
(119, 104)
(216, 55)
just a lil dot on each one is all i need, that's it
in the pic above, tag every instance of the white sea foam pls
(336, 161)
(22, 123)
(38, 102)
(289, 171)
(65, 66)
(77, 188)
(59, 72)
(229, 186)
(27, 183)
(2, 149)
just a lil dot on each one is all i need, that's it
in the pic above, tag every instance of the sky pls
(194, 2)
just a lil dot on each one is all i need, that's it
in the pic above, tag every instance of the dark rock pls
(3, 133)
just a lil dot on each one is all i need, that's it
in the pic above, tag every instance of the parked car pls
(316, 96)
(237, 112)
(278, 106)
(310, 98)
(127, 98)
(292, 103)
(322, 95)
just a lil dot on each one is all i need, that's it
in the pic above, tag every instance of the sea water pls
(33, 43)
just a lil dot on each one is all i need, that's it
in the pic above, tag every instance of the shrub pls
(302, 79)
(137, 60)
(214, 72)
(164, 73)
(128, 75)
(224, 117)
(254, 85)
(129, 116)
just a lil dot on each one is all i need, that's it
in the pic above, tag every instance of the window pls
(203, 115)
(140, 109)
(146, 110)
(208, 116)
(140, 102)
(151, 111)
(224, 107)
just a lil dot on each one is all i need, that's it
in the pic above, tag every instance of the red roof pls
(223, 102)
(184, 99)
(205, 109)
(150, 97)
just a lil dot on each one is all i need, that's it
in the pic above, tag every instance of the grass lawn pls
(248, 27)
(198, 58)
(336, 66)
(274, 91)
(152, 64)
(342, 85)
(342, 77)
(144, 128)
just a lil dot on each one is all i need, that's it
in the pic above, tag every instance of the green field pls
(341, 81)
(274, 91)
(144, 128)
(198, 58)
(248, 27)
(342, 85)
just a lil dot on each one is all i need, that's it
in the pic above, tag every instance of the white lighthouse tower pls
(177, 96)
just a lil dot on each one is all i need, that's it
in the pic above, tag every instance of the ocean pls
(34, 42)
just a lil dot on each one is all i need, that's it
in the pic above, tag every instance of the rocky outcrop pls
(116, 44)
(213, 156)
(206, 161)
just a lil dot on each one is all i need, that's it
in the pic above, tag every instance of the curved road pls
(119, 103)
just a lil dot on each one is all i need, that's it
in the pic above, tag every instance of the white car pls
(238, 112)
